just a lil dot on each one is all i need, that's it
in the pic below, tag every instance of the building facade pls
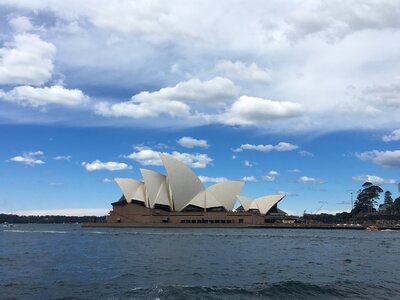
(179, 199)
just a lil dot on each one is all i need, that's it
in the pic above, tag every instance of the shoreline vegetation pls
(366, 210)
(16, 219)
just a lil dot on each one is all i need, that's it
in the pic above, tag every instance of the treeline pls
(15, 219)
(367, 200)
(365, 209)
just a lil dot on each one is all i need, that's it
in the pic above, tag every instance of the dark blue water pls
(69, 262)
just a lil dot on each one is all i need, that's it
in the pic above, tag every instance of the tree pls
(366, 198)
(388, 198)
(395, 207)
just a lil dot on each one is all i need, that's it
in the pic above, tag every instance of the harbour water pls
(69, 262)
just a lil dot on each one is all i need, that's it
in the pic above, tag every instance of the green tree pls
(395, 207)
(366, 198)
(388, 198)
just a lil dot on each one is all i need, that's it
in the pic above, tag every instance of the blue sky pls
(292, 97)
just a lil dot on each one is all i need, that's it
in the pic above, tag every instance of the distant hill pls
(15, 219)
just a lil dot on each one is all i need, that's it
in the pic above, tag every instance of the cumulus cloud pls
(109, 166)
(37, 96)
(29, 158)
(26, 60)
(249, 178)
(107, 180)
(248, 163)
(257, 111)
(373, 179)
(271, 176)
(21, 23)
(390, 159)
(62, 157)
(305, 153)
(307, 179)
(169, 50)
(151, 157)
(189, 142)
(387, 94)
(294, 170)
(137, 110)
(282, 146)
(206, 179)
(394, 136)
(218, 89)
(239, 70)
(171, 101)
(333, 21)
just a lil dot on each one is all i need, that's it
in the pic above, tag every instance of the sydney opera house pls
(179, 199)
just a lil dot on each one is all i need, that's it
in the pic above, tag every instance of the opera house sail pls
(179, 199)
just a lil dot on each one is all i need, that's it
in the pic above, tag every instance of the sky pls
(293, 97)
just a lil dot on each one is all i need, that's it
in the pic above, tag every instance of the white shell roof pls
(204, 199)
(185, 188)
(226, 192)
(140, 194)
(156, 187)
(246, 202)
(184, 183)
(263, 204)
(128, 187)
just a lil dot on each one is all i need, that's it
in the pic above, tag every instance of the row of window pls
(210, 221)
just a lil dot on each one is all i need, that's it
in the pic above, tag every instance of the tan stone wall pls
(132, 213)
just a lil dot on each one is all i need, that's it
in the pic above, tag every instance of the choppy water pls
(69, 262)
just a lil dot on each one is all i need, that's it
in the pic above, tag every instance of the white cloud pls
(29, 158)
(150, 157)
(257, 111)
(373, 179)
(36, 97)
(305, 153)
(248, 163)
(171, 101)
(189, 142)
(241, 71)
(295, 171)
(307, 179)
(62, 157)
(387, 94)
(218, 89)
(107, 180)
(282, 146)
(394, 136)
(206, 179)
(249, 179)
(271, 176)
(26, 60)
(382, 158)
(109, 166)
(137, 110)
(152, 20)
(169, 49)
(333, 21)
(21, 24)
(79, 212)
